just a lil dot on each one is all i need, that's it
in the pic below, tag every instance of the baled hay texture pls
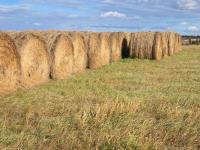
(62, 57)
(170, 42)
(141, 45)
(157, 48)
(35, 68)
(9, 65)
(80, 52)
(115, 47)
(105, 48)
(164, 44)
(94, 53)
(124, 45)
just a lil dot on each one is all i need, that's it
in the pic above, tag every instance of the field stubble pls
(132, 104)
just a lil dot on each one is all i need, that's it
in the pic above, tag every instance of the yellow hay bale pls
(141, 45)
(157, 48)
(94, 53)
(35, 68)
(105, 48)
(164, 44)
(115, 47)
(80, 52)
(62, 57)
(9, 65)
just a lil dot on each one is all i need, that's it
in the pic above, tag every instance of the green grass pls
(132, 104)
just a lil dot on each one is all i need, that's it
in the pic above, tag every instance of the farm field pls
(131, 104)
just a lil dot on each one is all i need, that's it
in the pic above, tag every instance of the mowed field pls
(131, 104)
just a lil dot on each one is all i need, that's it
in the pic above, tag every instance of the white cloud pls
(188, 4)
(184, 23)
(113, 14)
(37, 24)
(193, 28)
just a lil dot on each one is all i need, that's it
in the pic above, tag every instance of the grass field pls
(132, 104)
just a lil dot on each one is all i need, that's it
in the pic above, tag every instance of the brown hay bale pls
(62, 57)
(94, 53)
(115, 47)
(164, 44)
(157, 48)
(170, 42)
(141, 45)
(105, 48)
(80, 51)
(9, 64)
(35, 67)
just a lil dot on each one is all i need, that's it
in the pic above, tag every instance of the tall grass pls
(132, 104)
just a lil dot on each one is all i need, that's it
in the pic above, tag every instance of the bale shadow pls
(125, 49)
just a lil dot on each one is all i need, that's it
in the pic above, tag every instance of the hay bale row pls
(154, 45)
(33, 57)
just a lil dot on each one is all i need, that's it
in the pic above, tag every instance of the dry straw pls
(61, 50)
(115, 47)
(80, 51)
(142, 44)
(9, 64)
(35, 67)
(105, 48)
(94, 53)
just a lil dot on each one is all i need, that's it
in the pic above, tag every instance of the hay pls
(141, 45)
(9, 65)
(115, 47)
(164, 44)
(80, 51)
(62, 57)
(105, 48)
(94, 53)
(157, 48)
(35, 67)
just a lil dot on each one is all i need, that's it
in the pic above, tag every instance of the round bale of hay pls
(164, 44)
(115, 47)
(9, 64)
(62, 53)
(105, 48)
(157, 48)
(35, 68)
(80, 52)
(94, 53)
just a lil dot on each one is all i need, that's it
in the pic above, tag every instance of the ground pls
(132, 104)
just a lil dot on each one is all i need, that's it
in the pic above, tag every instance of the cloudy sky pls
(101, 15)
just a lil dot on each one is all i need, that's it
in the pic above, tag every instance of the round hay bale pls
(94, 53)
(115, 47)
(157, 49)
(35, 68)
(80, 52)
(105, 48)
(164, 44)
(62, 57)
(170, 42)
(9, 65)
(141, 45)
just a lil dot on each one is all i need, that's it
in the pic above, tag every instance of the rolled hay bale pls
(115, 47)
(61, 52)
(80, 51)
(105, 48)
(170, 43)
(94, 53)
(157, 48)
(141, 45)
(164, 44)
(35, 68)
(9, 65)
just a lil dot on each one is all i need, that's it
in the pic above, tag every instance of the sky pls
(182, 16)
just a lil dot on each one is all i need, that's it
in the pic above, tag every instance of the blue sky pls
(101, 15)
